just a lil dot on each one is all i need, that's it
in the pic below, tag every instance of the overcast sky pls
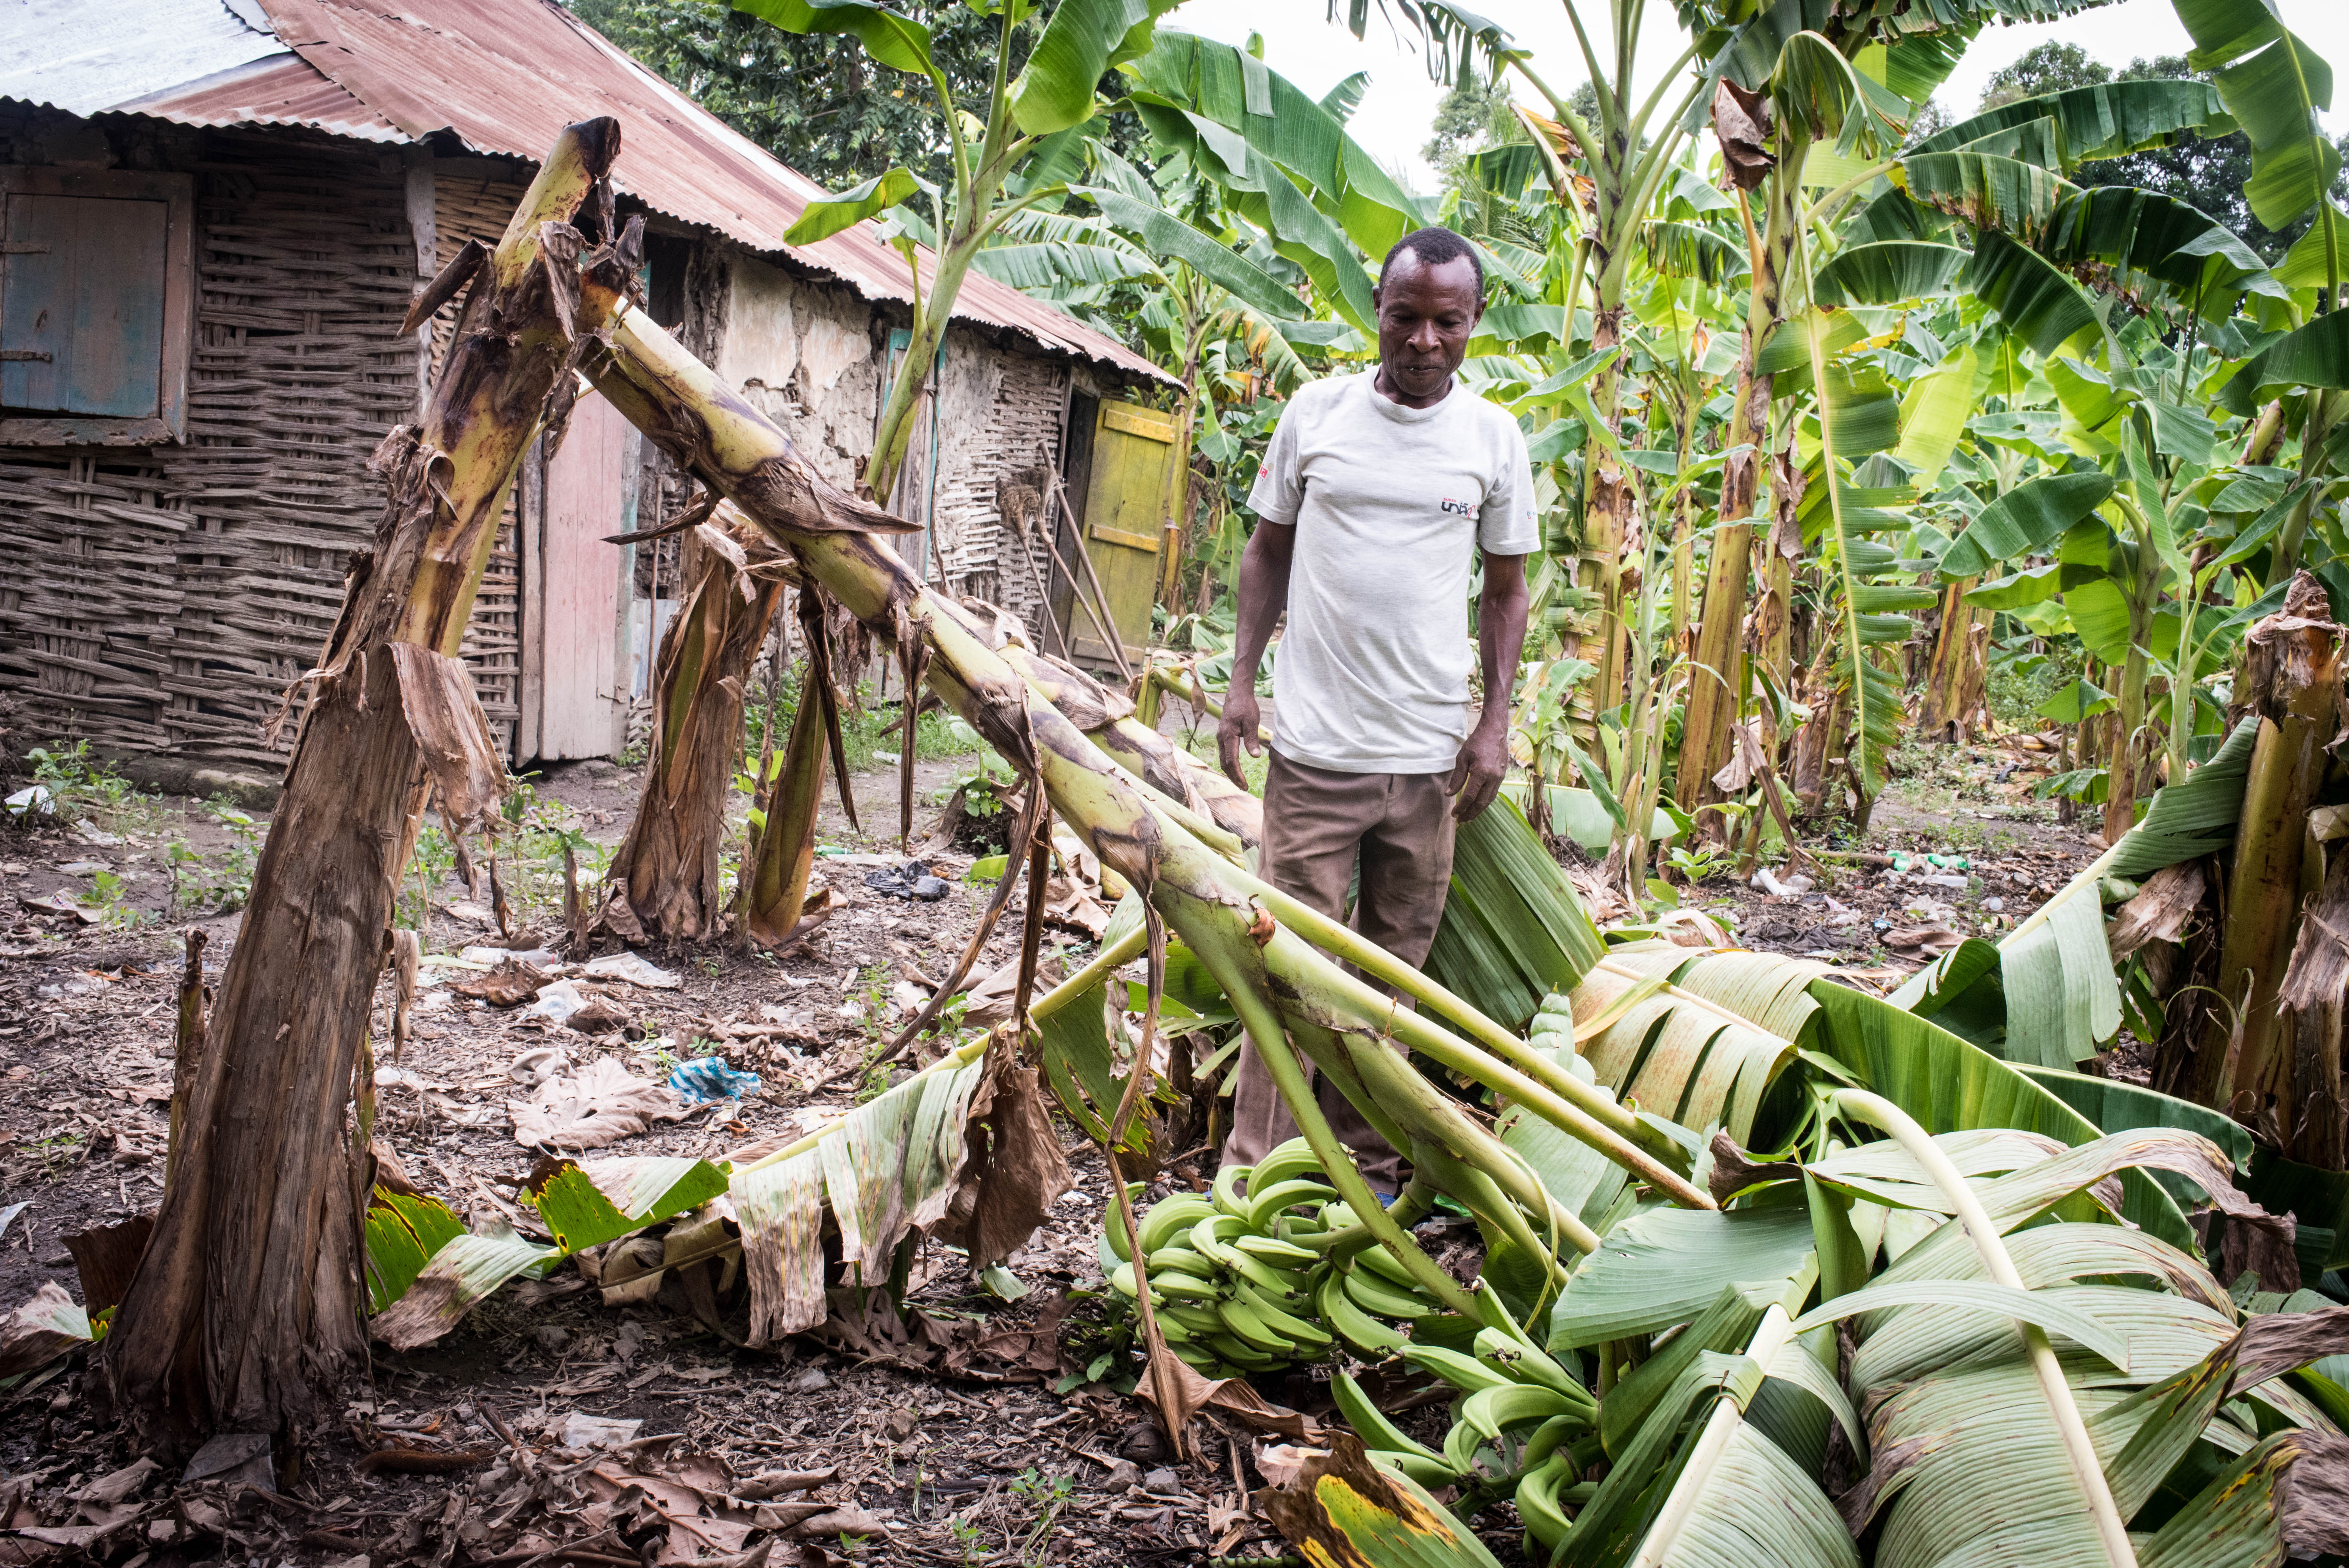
(1401, 104)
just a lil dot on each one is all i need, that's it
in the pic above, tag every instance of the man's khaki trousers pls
(1317, 825)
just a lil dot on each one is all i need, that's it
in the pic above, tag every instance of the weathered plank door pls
(1124, 515)
(575, 671)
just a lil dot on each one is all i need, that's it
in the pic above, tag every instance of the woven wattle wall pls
(163, 599)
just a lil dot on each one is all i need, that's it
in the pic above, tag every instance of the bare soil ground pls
(946, 1467)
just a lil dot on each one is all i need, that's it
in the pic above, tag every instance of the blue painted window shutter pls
(81, 306)
(97, 305)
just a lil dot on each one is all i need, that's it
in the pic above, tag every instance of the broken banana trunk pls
(245, 1310)
(667, 869)
(775, 904)
(1271, 955)
(2292, 678)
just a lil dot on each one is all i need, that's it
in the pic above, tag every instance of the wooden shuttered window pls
(97, 295)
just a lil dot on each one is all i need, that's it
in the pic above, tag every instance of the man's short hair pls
(1434, 247)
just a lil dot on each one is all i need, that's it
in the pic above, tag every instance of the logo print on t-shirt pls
(1459, 508)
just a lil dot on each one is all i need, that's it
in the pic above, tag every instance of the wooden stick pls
(1104, 623)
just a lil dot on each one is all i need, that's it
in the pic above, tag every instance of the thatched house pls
(217, 212)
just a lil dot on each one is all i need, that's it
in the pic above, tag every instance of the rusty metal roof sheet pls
(506, 75)
(85, 56)
(280, 89)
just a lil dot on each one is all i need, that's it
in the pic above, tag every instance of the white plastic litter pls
(632, 967)
(581, 1430)
(33, 800)
(1771, 882)
(557, 1002)
(537, 957)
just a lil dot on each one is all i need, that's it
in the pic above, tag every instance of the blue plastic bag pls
(709, 1077)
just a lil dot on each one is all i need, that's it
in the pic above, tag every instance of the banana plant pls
(1033, 116)
(1285, 163)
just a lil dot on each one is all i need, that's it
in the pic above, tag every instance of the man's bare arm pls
(1263, 597)
(1500, 642)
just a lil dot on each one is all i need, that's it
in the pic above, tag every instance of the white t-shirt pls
(1390, 505)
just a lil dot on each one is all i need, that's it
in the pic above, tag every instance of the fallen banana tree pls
(2012, 1385)
(244, 1310)
(1173, 830)
(1272, 956)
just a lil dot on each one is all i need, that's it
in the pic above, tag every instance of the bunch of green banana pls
(1523, 1425)
(1239, 1281)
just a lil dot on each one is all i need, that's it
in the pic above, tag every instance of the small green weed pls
(1703, 863)
(57, 1152)
(80, 785)
(530, 854)
(434, 859)
(1048, 1495)
(218, 883)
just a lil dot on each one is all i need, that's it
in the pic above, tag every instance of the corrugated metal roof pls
(281, 89)
(89, 56)
(506, 75)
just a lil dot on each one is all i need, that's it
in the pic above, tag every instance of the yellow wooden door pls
(1124, 517)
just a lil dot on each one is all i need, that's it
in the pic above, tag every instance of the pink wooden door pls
(583, 699)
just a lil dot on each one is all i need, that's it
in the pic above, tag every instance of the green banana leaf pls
(1752, 1500)
(1985, 189)
(2147, 234)
(2108, 119)
(2273, 85)
(829, 215)
(582, 1206)
(1664, 1266)
(2313, 256)
(1668, 1052)
(1692, 251)
(403, 1231)
(1889, 272)
(1170, 239)
(1950, 1086)
(2038, 301)
(895, 40)
(2025, 521)
(1359, 1514)
(1083, 40)
(2316, 355)
(1513, 929)
(1044, 266)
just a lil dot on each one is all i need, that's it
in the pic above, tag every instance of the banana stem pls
(2085, 1469)
(1268, 1039)
(1342, 941)
(1449, 1143)
(1414, 1203)
(1117, 954)
(1343, 992)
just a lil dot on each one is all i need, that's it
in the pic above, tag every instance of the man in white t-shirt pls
(1376, 495)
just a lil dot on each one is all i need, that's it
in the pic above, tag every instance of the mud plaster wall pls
(805, 355)
(812, 355)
